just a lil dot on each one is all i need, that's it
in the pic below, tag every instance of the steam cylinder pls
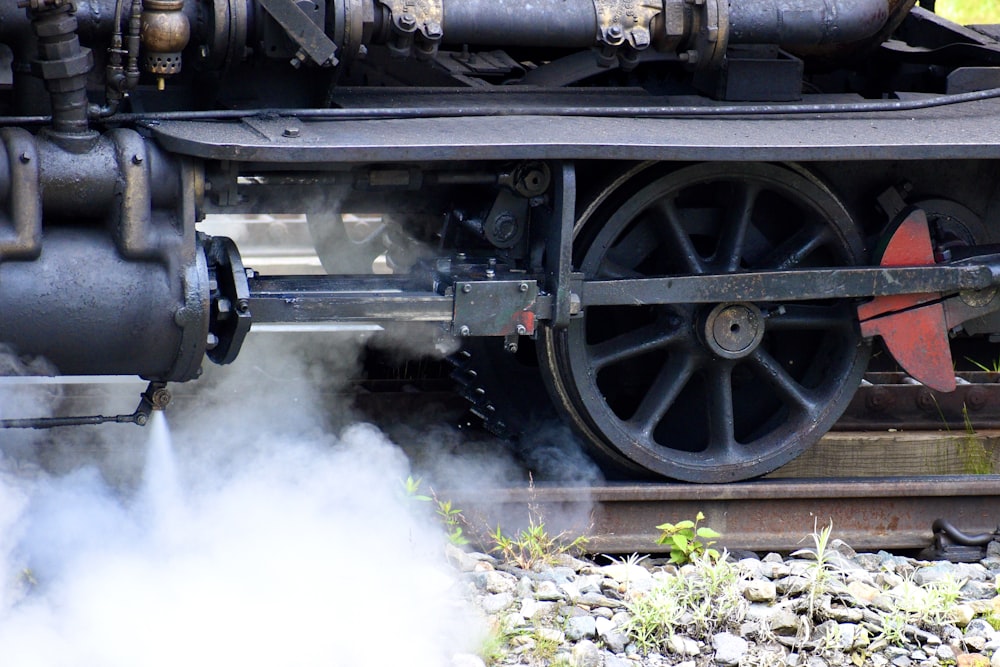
(90, 312)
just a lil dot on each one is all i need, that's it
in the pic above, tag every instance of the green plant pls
(991, 367)
(452, 519)
(976, 458)
(705, 598)
(821, 567)
(533, 545)
(450, 516)
(688, 541)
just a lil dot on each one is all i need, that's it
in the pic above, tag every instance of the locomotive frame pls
(700, 214)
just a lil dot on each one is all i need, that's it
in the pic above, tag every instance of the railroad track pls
(764, 515)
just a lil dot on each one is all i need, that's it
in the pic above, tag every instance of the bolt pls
(136, 159)
(523, 287)
(464, 331)
(466, 288)
(141, 419)
(291, 132)
(407, 22)
(224, 307)
(926, 402)
(510, 347)
(615, 33)
(203, 52)
(521, 329)
(25, 158)
(242, 306)
(212, 341)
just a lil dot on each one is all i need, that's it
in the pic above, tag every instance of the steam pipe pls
(793, 23)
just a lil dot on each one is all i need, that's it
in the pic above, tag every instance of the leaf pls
(699, 517)
(680, 541)
(666, 526)
(704, 531)
(681, 525)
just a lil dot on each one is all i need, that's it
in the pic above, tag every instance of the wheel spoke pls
(721, 415)
(791, 392)
(802, 316)
(624, 346)
(611, 270)
(638, 243)
(675, 238)
(738, 216)
(795, 249)
(673, 377)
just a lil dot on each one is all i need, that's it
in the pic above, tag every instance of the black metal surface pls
(541, 133)
(703, 393)
(791, 285)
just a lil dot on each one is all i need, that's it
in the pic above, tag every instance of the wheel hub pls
(733, 330)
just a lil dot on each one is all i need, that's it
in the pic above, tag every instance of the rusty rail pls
(764, 515)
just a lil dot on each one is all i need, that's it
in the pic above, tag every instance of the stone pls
(494, 604)
(525, 587)
(551, 635)
(995, 660)
(729, 649)
(792, 585)
(962, 615)
(901, 661)
(684, 646)
(945, 653)
(760, 590)
(580, 627)
(975, 642)
(548, 591)
(615, 641)
(464, 561)
(603, 626)
(979, 627)
(629, 575)
(602, 612)
(612, 660)
(586, 654)
(972, 660)
(863, 592)
(784, 622)
(497, 582)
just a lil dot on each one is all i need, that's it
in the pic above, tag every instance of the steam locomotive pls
(682, 223)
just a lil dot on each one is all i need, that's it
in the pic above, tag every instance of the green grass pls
(969, 11)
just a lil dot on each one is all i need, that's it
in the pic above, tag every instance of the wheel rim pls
(713, 392)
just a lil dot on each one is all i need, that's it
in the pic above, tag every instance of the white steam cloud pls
(251, 537)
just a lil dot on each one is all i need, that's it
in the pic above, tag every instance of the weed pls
(976, 458)
(534, 545)
(702, 598)
(687, 541)
(450, 516)
(821, 567)
(452, 519)
(993, 620)
(992, 367)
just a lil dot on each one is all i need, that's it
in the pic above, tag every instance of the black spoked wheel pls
(708, 392)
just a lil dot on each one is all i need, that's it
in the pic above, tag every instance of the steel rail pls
(761, 516)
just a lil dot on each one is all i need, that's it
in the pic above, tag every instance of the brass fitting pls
(165, 34)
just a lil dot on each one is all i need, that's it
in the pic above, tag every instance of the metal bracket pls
(156, 397)
(413, 17)
(495, 308)
(953, 545)
(312, 41)
(626, 21)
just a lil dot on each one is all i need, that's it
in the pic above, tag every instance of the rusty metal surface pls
(763, 516)
(892, 401)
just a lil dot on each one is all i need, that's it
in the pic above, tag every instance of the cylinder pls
(519, 23)
(89, 312)
(796, 23)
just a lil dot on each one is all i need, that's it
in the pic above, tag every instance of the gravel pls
(876, 609)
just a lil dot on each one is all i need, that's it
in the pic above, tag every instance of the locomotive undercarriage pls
(693, 254)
